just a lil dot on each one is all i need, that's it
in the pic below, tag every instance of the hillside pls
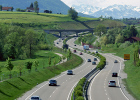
(56, 6)
(51, 21)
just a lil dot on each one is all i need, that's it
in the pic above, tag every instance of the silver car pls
(112, 83)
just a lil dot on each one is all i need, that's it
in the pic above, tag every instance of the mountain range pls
(115, 11)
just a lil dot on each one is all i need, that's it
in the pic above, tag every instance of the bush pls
(124, 45)
(78, 93)
(80, 98)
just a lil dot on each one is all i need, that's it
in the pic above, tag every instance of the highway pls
(98, 88)
(65, 82)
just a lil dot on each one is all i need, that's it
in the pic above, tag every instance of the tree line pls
(20, 43)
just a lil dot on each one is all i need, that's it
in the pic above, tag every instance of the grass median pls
(14, 88)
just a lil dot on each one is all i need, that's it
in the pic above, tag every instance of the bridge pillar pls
(60, 34)
(77, 34)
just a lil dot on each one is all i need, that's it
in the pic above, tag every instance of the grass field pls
(133, 73)
(51, 21)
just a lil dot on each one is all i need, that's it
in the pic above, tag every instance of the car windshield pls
(34, 98)
(112, 82)
(69, 70)
(52, 80)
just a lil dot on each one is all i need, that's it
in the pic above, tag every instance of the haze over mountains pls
(116, 11)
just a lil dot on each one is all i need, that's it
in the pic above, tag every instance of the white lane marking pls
(71, 90)
(92, 83)
(119, 74)
(53, 92)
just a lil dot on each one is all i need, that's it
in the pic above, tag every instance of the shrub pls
(124, 45)
(78, 93)
(80, 98)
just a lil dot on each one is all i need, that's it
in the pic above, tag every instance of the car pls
(93, 63)
(111, 83)
(89, 60)
(35, 98)
(114, 74)
(69, 72)
(52, 83)
(96, 51)
(81, 53)
(57, 43)
(74, 51)
(115, 61)
(75, 45)
(95, 59)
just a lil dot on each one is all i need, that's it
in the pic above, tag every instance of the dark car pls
(75, 45)
(93, 63)
(114, 74)
(35, 98)
(74, 51)
(69, 72)
(95, 59)
(57, 43)
(115, 61)
(89, 60)
(96, 51)
(52, 83)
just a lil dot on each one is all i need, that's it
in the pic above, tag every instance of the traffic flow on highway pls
(106, 85)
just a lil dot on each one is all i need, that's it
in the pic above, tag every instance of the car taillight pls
(109, 83)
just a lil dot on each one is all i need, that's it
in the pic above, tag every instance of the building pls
(6, 8)
(132, 39)
(30, 9)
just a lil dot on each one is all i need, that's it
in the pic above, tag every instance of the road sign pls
(126, 56)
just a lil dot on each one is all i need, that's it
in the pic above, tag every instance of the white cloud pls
(101, 3)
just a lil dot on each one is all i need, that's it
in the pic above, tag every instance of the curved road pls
(65, 82)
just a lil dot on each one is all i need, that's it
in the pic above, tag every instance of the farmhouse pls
(6, 8)
(30, 9)
(133, 39)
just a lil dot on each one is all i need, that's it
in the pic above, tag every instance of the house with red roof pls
(133, 39)
(30, 9)
(6, 8)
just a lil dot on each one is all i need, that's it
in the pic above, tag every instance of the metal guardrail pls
(88, 76)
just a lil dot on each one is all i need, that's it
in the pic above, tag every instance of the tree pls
(20, 69)
(36, 7)
(0, 7)
(72, 13)
(12, 9)
(100, 30)
(18, 9)
(31, 42)
(9, 66)
(133, 31)
(119, 39)
(104, 40)
(36, 63)
(31, 6)
(29, 65)
(50, 61)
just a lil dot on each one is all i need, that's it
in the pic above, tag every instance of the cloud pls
(101, 3)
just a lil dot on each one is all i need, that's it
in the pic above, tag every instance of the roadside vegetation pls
(88, 39)
(20, 85)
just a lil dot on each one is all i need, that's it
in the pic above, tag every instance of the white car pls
(35, 98)
(112, 83)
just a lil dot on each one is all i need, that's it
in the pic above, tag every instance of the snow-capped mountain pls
(86, 9)
(116, 11)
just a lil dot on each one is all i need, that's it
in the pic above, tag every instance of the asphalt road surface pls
(65, 83)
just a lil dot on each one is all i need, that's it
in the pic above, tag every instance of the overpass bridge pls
(76, 31)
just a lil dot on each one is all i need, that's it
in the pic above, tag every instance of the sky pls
(101, 3)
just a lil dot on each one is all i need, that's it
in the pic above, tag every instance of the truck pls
(86, 47)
